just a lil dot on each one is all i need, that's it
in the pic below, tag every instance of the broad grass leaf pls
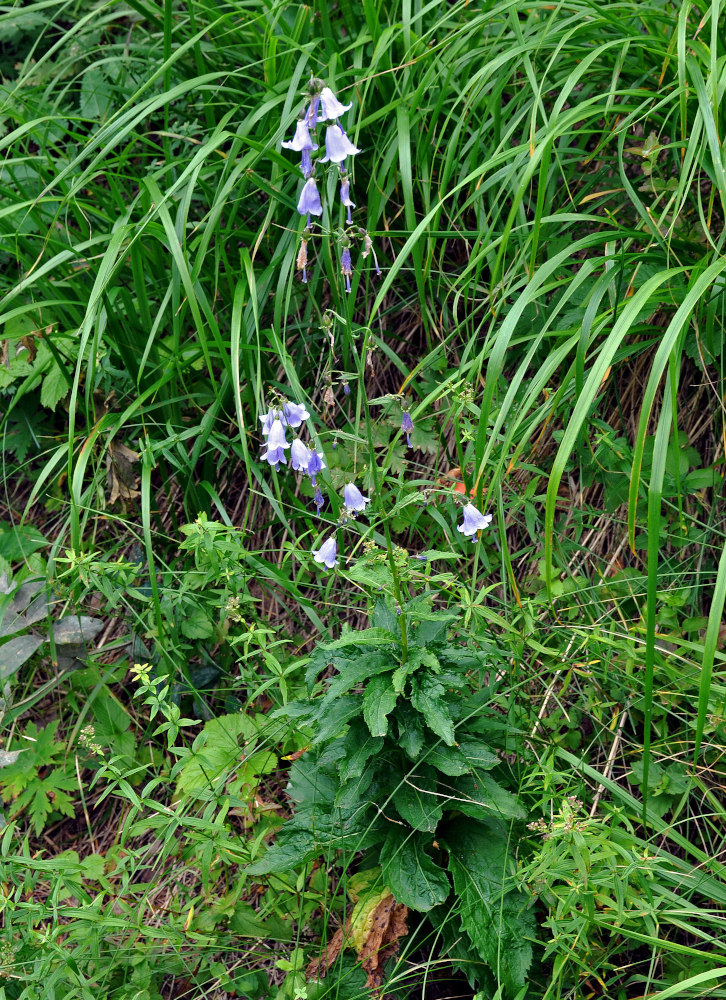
(414, 879)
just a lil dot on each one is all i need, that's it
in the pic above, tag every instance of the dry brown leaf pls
(318, 968)
(389, 926)
(121, 479)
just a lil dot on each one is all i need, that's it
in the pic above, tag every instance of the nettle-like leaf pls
(427, 696)
(379, 701)
(417, 800)
(495, 917)
(412, 875)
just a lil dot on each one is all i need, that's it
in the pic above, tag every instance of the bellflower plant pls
(330, 106)
(301, 141)
(309, 202)
(473, 521)
(346, 268)
(293, 414)
(315, 465)
(345, 198)
(300, 455)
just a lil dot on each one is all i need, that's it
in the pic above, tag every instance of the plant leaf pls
(15, 652)
(410, 873)
(379, 701)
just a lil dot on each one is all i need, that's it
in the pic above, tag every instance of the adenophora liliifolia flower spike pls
(330, 106)
(309, 203)
(337, 145)
(301, 141)
(354, 499)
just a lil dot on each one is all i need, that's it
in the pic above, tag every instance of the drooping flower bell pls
(293, 414)
(318, 498)
(327, 553)
(276, 445)
(269, 418)
(407, 426)
(315, 465)
(345, 198)
(330, 106)
(309, 202)
(473, 521)
(337, 145)
(346, 267)
(368, 249)
(301, 141)
(300, 455)
(354, 499)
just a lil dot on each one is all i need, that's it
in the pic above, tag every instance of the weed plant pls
(266, 735)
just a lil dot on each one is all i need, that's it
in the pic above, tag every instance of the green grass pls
(545, 188)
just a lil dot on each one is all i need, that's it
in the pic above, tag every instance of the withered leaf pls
(389, 926)
(121, 479)
(318, 968)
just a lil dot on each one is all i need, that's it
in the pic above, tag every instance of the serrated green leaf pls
(427, 697)
(479, 796)
(410, 731)
(417, 802)
(495, 918)
(414, 879)
(54, 388)
(379, 701)
(448, 760)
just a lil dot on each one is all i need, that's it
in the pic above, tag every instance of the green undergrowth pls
(485, 767)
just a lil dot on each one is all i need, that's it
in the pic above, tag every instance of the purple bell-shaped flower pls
(337, 145)
(327, 553)
(473, 521)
